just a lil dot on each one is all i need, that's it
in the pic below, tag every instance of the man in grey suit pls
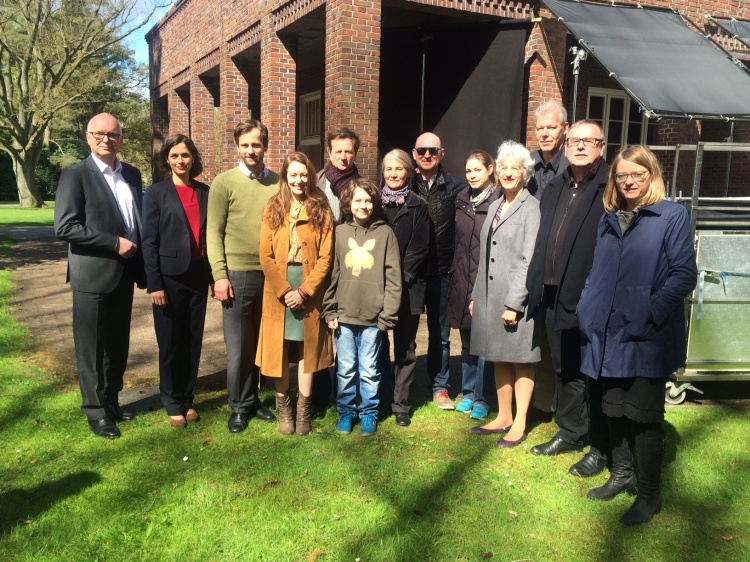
(97, 211)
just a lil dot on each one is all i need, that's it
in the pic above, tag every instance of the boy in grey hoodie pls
(362, 301)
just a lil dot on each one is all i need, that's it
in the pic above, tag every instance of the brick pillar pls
(179, 112)
(352, 94)
(278, 92)
(202, 125)
(234, 103)
(159, 128)
(545, 55)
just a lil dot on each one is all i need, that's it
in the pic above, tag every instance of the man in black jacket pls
(571, 208)
(439, 189)
(98, 213)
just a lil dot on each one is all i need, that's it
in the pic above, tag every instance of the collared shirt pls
(430, 182)
(123, 195)
(543, 173)
(245, 170)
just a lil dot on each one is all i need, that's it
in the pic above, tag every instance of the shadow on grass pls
(22, 506)
(699, 512)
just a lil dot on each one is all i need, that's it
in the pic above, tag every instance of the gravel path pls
(43, 302)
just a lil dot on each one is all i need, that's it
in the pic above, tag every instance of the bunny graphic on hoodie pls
(365, 287)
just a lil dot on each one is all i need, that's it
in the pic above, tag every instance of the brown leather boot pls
(303, 414)
(286, 420)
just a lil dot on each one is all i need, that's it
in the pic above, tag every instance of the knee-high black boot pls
(621, 477)
(649, 449)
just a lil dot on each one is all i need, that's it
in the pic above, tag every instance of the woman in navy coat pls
(632, 321)
(177, 273)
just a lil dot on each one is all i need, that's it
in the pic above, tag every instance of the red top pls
(193, 213)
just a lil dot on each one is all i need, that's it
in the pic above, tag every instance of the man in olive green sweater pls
(236, 202)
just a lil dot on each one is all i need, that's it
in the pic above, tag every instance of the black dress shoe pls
(556, 446)
(264, 414)
(403, 419)
(237, 422)
(114, 412)
(104, 427)
(590, 465)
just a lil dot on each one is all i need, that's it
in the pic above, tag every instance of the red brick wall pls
(545, 59)
(202, 125)
(198, 36)
(353, 73)
(278, 93)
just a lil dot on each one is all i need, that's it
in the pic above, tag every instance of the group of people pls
(564, 276)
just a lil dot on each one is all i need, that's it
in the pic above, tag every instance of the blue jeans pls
(358, 348)
(438, 340)
(475, 373)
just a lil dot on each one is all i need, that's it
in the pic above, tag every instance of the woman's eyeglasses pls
(637, 177)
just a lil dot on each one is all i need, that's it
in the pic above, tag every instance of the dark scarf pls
(626, 218)
(394, 198)
(340, 180)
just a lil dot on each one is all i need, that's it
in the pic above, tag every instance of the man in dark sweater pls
(570, 211)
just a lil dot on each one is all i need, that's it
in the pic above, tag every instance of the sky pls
(137, 41)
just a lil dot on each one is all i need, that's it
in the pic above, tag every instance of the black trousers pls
(101, 334)
(404, 361)
(241, 323)
(179, 333)
(578, 410)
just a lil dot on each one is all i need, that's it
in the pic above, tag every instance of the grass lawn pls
(13, 215)
(427, 492)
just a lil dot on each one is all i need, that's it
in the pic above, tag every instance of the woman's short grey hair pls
(511, 150)
(402, 158)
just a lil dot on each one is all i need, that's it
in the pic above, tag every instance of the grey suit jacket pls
(88, 218)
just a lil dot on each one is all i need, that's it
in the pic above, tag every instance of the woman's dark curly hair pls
(316, 204)
(368, 187)
(195, 170)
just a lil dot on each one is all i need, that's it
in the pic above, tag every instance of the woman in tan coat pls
(296, 239)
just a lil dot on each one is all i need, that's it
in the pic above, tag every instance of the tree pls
(54, 56)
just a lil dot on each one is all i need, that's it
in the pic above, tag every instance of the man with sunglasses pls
(98, 212)
(571, 207)
(439, 189)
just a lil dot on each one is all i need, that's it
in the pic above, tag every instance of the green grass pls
(427, 492)
(17, 216)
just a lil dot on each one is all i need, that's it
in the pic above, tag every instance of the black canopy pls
(666, 67)
(736, 28)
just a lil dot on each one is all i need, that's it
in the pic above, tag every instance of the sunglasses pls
(422, 150)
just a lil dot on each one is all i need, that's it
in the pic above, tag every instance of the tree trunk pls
(28, 192)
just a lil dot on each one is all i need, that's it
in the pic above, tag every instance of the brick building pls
(471, 70)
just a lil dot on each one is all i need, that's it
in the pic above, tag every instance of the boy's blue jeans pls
(357, 348)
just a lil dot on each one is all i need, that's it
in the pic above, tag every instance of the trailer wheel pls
(674, 395)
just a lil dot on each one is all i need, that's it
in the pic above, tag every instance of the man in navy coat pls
(97, 211)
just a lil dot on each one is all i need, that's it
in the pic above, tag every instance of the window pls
(309, 119)
(621, 120)
(310, 127)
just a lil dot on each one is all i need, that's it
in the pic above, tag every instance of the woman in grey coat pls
(501, 331)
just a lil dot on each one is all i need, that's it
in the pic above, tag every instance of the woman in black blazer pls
(177, 273)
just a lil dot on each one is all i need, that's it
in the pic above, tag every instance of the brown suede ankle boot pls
(303, 414)
(286, 420)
